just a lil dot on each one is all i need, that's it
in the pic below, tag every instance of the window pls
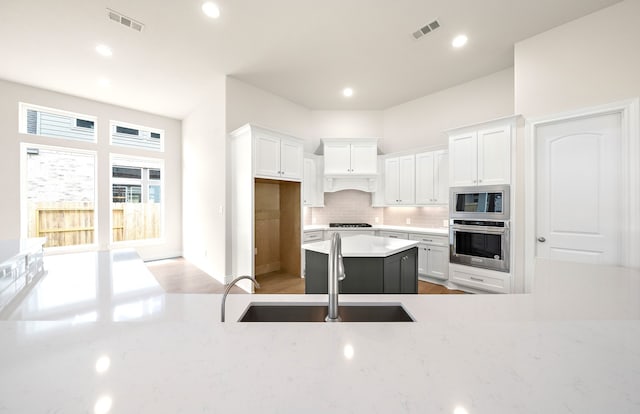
(136, 198)
(127, 135)
(38, 120)
(59, 201)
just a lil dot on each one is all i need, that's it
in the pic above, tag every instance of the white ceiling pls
(303, 50)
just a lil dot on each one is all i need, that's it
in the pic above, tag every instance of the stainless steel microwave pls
(488, 202)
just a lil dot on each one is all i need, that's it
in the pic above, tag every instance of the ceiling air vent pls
(427, 28)
(124, 20)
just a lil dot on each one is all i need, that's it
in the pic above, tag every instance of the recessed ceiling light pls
(104, 50)
(347, 92)
(104, 82)
(211, 10)
(459, 41)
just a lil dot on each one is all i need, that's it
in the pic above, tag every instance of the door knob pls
(542, 239)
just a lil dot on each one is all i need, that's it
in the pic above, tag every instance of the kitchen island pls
(573, 346)
(372, 265)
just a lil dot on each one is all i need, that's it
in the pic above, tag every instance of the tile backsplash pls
(348, 206)
(429, 216)
(352, 206)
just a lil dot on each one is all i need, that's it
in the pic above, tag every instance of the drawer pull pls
(477, 279)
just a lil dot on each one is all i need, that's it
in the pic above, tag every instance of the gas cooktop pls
(349, 225)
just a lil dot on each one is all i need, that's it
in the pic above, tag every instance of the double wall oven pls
(479, 226)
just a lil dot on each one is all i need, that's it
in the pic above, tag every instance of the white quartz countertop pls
(438, 231)
(573, 346)
(364, 246)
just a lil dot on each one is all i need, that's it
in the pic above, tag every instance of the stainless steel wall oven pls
(480, 243)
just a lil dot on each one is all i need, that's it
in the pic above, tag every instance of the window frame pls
(118, 159)
(22, 122)
(114, 124)
(24, 216)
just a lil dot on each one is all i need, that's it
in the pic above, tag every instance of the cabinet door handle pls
(479, 181)
(477, 279)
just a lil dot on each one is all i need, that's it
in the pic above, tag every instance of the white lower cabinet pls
(433, 256)
(481, 279)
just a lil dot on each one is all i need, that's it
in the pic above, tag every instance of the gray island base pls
(373, 265)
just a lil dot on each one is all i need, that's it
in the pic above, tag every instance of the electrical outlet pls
(377, 220)
(408, 221)
(255, 252)
(313, 220)
(445, 223)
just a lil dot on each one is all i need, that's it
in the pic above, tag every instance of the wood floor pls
(179, 276)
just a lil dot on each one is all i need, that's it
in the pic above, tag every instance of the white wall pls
(346, 124)
(13, 93)
(589, 61)
(204, 182)
(247, 104)
(422, 122)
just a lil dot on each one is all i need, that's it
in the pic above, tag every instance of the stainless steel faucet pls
(336, 273)
(229, 286)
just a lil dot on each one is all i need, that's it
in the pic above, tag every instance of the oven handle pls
(479, 229)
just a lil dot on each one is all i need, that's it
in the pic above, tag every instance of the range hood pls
(368, 184)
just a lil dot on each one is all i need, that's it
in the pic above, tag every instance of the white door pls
(267, 156)
(441, 177)
(309, 182)
(578, 196)
(422, 259)
(337, 158)
(407, 180)
(291, 159)
(364, 158)
(463, 153)
(424, 177)
(494, 156)
(391, 181)
(438, 262)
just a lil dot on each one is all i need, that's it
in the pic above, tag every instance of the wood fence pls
(70, 224)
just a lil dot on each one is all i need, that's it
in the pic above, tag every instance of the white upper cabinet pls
(494, 155)
(309, 182)
(267, 155)
(480, 156)
(432, 177)
(312, 194)
(347, 157)
(277, 156)
(399, 181)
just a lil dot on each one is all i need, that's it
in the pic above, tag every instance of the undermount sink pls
(316, 312)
